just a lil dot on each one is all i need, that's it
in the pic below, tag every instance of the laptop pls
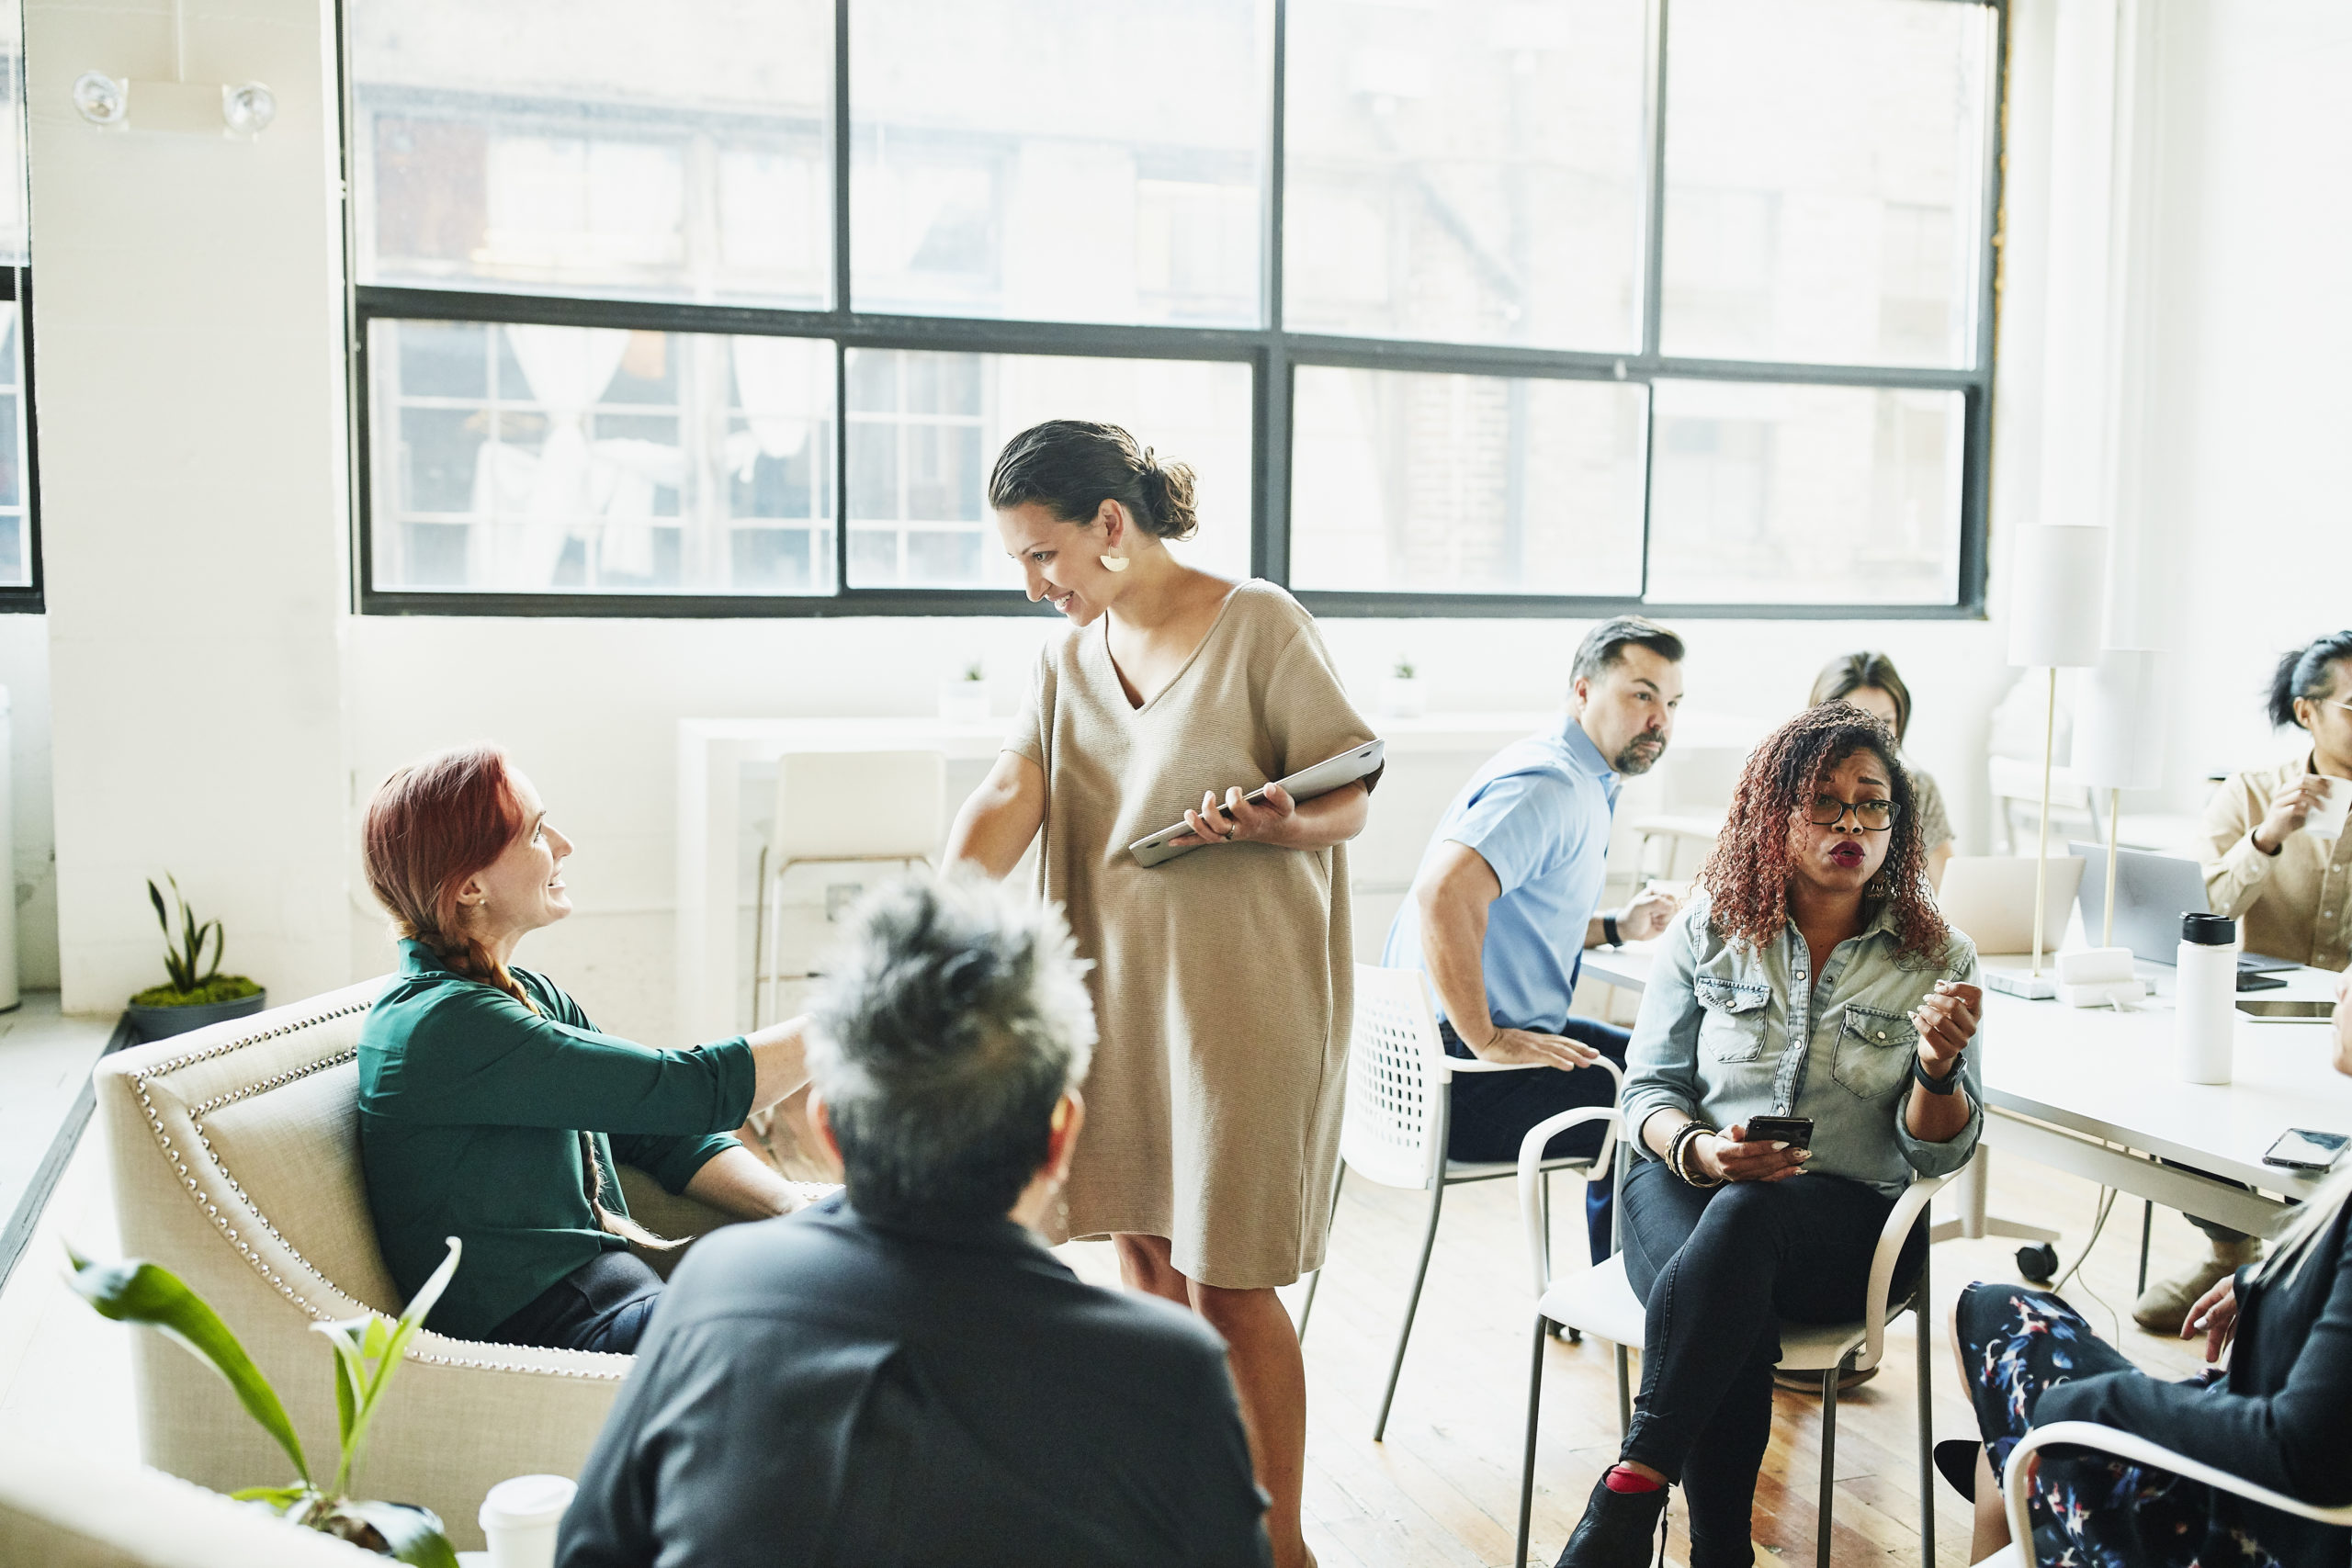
(2152, 892)
(1990, 899)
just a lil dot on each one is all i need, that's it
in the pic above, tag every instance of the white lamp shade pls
(2120, 723)
(2056, 594)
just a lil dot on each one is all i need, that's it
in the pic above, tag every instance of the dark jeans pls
(1492, 1112)
(603, 1304)
(1718, 1268)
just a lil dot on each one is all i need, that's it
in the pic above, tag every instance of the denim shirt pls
(1727, 1031)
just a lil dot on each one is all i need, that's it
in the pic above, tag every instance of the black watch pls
(1609, 932)
(1943, 1085)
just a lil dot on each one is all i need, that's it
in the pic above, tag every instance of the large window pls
(19, 536)
(1538, 307)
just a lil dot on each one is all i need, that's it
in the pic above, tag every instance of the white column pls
(187, 335)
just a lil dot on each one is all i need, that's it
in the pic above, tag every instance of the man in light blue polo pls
(1507, 898)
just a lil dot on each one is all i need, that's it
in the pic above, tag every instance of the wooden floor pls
(1444, 1488)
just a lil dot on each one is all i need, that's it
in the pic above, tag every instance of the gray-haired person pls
(904, 1374)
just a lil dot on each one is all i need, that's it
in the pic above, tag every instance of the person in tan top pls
(1223, 979)
(2288, 887)
(2291, 888)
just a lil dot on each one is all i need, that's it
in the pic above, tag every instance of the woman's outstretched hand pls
(1947, 1021)
(1729, 1156)
(1238, 820)
(2215, 1315)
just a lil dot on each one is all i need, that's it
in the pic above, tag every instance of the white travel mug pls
(2204, 1022)
(519, 1519)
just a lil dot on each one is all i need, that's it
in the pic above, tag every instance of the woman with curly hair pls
(1810, 976)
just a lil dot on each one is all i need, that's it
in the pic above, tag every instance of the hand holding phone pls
(1741, 1152)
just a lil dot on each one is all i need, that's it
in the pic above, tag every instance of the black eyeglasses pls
(1874, 816)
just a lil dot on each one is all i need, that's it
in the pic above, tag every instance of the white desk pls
(2092, 1091)
(715, 868)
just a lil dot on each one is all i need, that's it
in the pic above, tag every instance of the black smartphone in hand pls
(1794, 1131)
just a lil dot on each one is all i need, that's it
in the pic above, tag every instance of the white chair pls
(1601, 1303)
(1398, 1115)
(840, 807)
(2016, 1488)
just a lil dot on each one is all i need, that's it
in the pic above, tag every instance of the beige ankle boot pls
(2165, 1305)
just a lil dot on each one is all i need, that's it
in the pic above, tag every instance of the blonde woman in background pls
(1867, 681)
(2281, 1415)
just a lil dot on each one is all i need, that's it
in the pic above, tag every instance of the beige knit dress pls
(1223, 982)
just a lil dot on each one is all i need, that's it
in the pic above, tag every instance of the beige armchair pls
(235, 1152)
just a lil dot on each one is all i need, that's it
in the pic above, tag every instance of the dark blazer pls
(2281, 1419)
(825, 1389)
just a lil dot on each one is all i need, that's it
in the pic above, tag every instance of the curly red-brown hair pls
(1747, 877)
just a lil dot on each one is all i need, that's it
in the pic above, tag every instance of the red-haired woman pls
(491, 1110)
(1811, 976)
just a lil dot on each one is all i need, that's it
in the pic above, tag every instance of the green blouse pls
(470, 1111)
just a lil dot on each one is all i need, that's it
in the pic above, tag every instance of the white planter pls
(964, 702)
(1403, 697)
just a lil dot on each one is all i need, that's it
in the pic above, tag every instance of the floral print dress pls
(2089, 1510)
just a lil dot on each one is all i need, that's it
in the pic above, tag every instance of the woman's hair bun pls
(1072, 465)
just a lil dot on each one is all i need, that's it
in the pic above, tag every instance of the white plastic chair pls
(840, 807)
(1600, 1302)
(1398, 1115)
(2016, 1488)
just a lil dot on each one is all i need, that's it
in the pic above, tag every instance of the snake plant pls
(366, 1349)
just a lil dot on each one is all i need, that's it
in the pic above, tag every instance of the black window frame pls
(25, 598)
(1270, 351)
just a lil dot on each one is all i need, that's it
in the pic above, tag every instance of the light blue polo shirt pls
(1539, 811)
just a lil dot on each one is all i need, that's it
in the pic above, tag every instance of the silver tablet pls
(1305, 784)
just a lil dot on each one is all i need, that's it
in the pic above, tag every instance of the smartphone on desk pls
(1794, 1131)
(2300, 1148)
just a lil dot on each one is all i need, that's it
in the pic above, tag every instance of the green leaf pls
(155, 897)
(414, 1535)
(139, 1292)
(279, 1498)
(347, 1336)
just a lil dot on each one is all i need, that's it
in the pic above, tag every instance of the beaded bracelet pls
(1678, 1154)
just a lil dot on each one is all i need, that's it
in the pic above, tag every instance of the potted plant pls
(1401, 695)
(367, 1352)
(965, 698)
(194, 995)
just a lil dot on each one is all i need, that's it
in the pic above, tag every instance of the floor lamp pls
(2119, 745)
(2055, 605)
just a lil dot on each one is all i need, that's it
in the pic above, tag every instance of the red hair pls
(431, 826)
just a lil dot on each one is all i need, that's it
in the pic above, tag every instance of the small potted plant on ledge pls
(965, 699)
(194, 994)
(1402, 695)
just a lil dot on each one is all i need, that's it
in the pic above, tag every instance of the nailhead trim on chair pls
(620, 1364)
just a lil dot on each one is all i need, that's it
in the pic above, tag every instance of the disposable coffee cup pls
(2327, 819)
(519, 1519)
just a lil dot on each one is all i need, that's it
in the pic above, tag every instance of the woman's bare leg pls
(1991, 1530)
(1143, 1264)
(1270, 1377)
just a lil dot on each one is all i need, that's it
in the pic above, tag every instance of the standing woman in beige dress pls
(1222, 979)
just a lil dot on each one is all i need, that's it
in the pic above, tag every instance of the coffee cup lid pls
(527, 1500)
(2209, 931)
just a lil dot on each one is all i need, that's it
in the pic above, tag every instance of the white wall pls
(195, 328)
(24, 671)
(187, 335)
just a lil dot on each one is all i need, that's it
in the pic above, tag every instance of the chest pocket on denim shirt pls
(1733, 1030)
(1874, 1051)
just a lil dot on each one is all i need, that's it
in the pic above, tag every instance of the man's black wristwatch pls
(1609, 932)
(1943, 1085)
